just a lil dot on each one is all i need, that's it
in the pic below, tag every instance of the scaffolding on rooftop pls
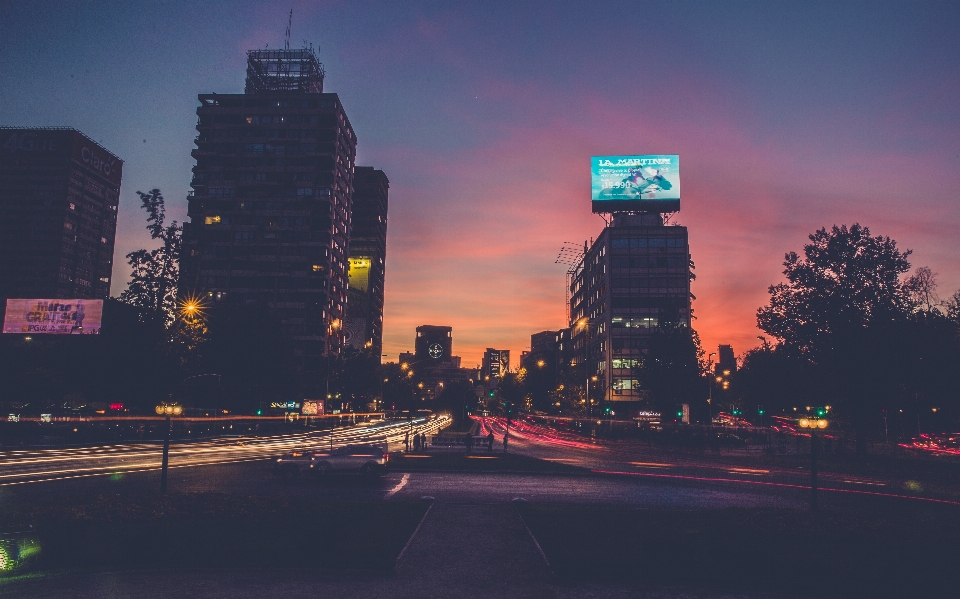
(270, 71)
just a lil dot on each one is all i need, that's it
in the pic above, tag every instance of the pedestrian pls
(416, 443)
(490, 441)
(406, 441)
(423, 441)
(505, 435)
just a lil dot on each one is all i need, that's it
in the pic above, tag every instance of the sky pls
(787, 117)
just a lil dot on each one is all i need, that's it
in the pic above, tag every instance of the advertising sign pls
(285, 405)
(53, 316)
(312, 407)
(649, 183)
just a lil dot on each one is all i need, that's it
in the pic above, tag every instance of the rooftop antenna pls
(286, 41)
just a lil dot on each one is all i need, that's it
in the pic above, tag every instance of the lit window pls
(212, 220)
(73, 206)
(317, 268)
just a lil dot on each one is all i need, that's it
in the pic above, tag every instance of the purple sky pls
(787, 117)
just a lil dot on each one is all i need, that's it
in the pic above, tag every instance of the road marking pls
(400, 485)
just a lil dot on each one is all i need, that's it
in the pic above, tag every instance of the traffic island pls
(209, 530)
(735, 550)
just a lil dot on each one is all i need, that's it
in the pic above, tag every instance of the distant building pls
(363, 326)
(271, 203)
(726, 361)
(433, 365)
(434, 344)
(632, 282)
(496, 363)
(59, 192)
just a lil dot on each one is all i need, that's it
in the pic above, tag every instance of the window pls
(625, 384)
(318, 268)
(212, 220)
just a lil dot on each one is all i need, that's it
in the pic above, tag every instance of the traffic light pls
(492, 393)
(259, 412)
(737, 412)
(761, 411)
(821, 412)
(679, 413)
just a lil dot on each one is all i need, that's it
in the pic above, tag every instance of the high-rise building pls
(271, 203)
(59, 192)
(433, 344)
(496, 363)
(363, 327)
(633, 281)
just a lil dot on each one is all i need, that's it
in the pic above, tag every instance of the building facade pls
(363, 326)
(496, 363)
(59, 193)
(633, 281)
(270, 211)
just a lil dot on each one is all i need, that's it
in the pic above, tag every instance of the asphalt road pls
(48, 465)
(615, 473)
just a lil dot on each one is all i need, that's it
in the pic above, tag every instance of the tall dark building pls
(59, 192)
(434, 344)
(363, 327)
(633, 280)
(271, 203)
(496, 363)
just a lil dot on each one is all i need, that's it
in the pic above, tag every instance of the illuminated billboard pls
(312, 407)
(53, 316)
(649, 183)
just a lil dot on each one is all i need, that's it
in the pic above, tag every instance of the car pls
(365, 459)
(294, 463)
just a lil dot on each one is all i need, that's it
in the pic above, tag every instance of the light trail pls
(30, 466)
(767, 483)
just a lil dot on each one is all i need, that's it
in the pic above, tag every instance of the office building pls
(270, 211)
(59, 192)
(496, 363)
(633, 281)
(363, 326)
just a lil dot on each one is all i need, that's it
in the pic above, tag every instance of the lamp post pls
(710, 389)
(813, 424)
(167, 410)
(585, 323)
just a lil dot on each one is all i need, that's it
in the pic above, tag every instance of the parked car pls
(365, 459)
(295, 463)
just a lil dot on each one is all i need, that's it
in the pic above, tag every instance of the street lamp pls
(167, 410)
(585, 323)
(813, 424)
(710, 391)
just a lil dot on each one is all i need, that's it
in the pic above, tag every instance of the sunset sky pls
(787, 117)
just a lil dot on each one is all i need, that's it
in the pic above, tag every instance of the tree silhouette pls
(153, 282)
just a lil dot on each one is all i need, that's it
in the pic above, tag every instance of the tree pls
(921, 288)
(874, 341)
(672, 369)
(153, 282)
(846, 280)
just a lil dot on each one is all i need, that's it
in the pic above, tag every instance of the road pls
(46, 465)
(612, 473)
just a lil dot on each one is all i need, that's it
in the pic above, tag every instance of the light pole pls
(585, 323)
(813, 424)
(167, 410)
(710, 390)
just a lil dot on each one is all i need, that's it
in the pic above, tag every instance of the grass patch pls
(211, 530)
(751, 549)
(476, 462)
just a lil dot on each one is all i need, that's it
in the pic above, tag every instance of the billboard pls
(312, 407)
(648, 183)
(53, 316)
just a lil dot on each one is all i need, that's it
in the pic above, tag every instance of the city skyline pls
(788, 119)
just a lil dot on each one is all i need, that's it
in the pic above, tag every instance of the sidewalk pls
(460, 550)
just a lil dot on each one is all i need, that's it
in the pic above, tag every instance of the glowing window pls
(212, 220)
